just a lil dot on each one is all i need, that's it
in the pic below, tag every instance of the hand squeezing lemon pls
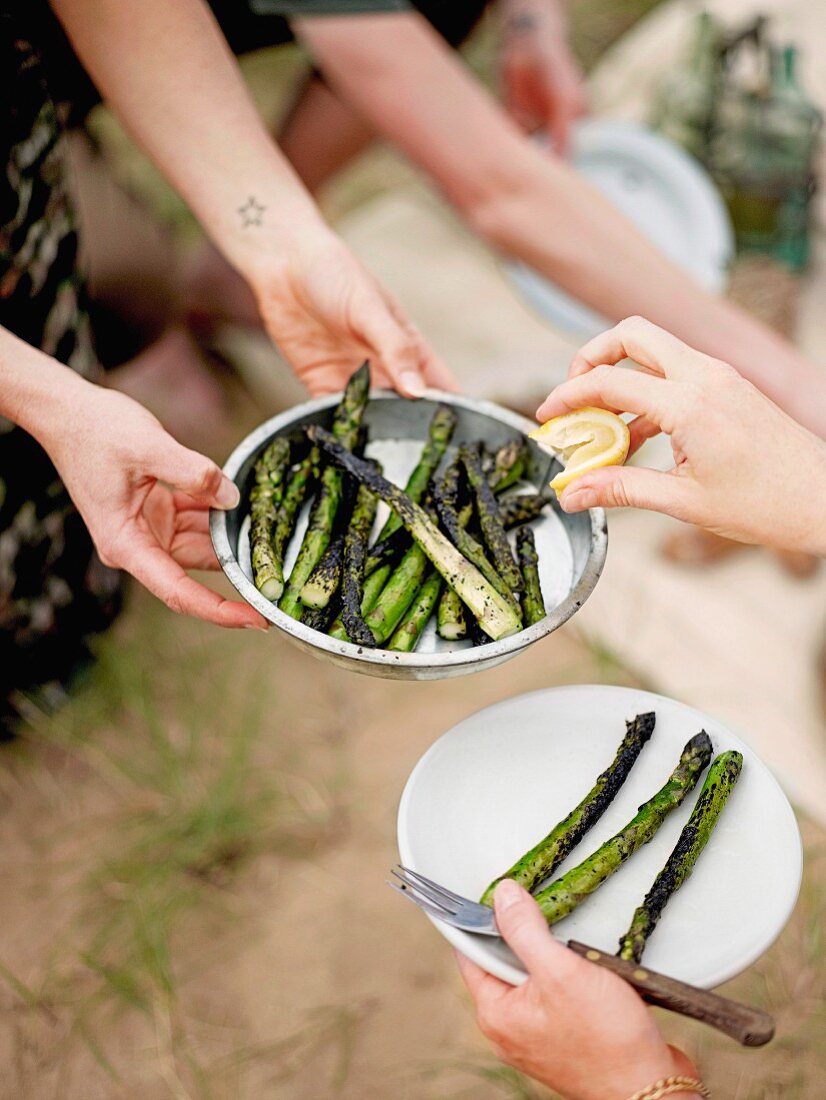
(585, 439)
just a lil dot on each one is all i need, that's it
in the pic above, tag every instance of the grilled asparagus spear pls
(521, 508)
(373, 588)
(397, 595)
(326, 577)
(533, 602)
(355, 549)
(569, 891)
(318, 617)
(384, 551)
(515, 511)
(509, 464)
(490, 520)
(265, 498)
(409, 630)
(473, 551)
(496, 616)
(451, 621)
(295, 494)
(440, 432)
(722, 775)
(450, 618)
(346, 424)
(544, 858)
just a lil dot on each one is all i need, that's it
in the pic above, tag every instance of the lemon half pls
(585, 440)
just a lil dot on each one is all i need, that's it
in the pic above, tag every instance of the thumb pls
(629, 487)
(525, 930)
(198, 476)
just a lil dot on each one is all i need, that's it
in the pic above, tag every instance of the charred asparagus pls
(473, 551)
(318, 618)
(409, 630)
(265, 499)
(490, 520)
(298, 487)
(326, 577)
(346, 423)
(521, 509)
(355, 549)
(515, 511)
(373, 587)
(533, 602)
(385, 550)
(451, 622)
(442, 427)
(722, 775)
(544, 858)
(496, 615)
(509, 465)
(569, 891)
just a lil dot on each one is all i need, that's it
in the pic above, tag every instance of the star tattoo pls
(251, 212)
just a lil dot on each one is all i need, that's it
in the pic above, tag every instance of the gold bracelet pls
(666, 1086)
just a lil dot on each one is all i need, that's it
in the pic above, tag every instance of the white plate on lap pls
(497, 782)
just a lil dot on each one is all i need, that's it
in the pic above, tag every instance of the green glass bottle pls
(683, 108)
(763, 156)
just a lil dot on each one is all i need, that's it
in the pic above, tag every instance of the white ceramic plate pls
(662, 190)
(497, 782)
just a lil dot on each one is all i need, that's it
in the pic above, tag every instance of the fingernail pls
(413, 383)
(508, 893)
(254, 626)
(228, 495)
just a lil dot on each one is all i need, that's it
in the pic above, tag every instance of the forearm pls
(814, 505)
(564, 228)
(36, 392)
(168, 74)
(401, 78)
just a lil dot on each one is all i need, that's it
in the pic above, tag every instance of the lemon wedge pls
(585, 439)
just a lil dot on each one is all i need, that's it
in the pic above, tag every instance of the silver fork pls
(443, 904)
(749, 1026)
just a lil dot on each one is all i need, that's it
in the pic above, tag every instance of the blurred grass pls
(187, 792)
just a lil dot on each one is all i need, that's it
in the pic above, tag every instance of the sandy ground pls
(284, 968)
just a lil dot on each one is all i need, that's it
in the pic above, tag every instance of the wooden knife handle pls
(749, 1026)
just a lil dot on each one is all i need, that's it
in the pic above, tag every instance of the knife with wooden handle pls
(749, 1026)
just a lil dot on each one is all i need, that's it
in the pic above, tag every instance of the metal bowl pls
(571, 548)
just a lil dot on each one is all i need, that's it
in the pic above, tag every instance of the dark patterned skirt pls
(55, 594)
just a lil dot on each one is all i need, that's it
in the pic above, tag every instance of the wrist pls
(266, 224)
(650, 1065)
(39, 394)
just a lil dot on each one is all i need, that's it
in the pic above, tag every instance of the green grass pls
(176, 738)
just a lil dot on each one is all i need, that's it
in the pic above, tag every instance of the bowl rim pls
(514, 643)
